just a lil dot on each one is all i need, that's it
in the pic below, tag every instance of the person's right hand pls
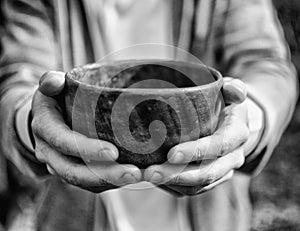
(61, 148)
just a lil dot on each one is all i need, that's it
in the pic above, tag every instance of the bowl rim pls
(162, 91)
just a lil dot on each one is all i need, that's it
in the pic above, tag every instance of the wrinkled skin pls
(62, 149)
(215, 157)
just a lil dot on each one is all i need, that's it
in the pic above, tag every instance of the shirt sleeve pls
(254, 50)
(28, 49)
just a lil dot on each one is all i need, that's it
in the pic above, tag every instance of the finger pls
(204, 174)
(81, 175)
(49, 124)
(234, 90)
(225, 178)
(52, 83)
(195, 190)
(232, 133)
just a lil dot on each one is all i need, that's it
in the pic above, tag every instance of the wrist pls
(10, 144)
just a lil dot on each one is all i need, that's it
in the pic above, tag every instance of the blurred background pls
(276, 191)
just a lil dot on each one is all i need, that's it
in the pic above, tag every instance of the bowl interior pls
(148, 75)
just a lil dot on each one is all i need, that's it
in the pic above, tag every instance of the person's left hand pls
(214, 158)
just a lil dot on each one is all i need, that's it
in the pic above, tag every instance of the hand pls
(216, 156)
(61, 148)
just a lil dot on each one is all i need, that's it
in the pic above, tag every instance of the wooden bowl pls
(144, 107)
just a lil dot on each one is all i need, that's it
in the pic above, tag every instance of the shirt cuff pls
(23, 125)
(255, 124)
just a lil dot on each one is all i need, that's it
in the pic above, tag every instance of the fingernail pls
(51, 83)
(50, 170)
(128, 178)
(156, 178)
(108, 154)
(178, 158)
(201, 190)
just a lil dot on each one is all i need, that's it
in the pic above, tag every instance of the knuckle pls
(40, 156)
(38, 124)
(41, 153)
(55, 141)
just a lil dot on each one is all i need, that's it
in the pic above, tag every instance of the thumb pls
(234, 90)
(52, 83)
